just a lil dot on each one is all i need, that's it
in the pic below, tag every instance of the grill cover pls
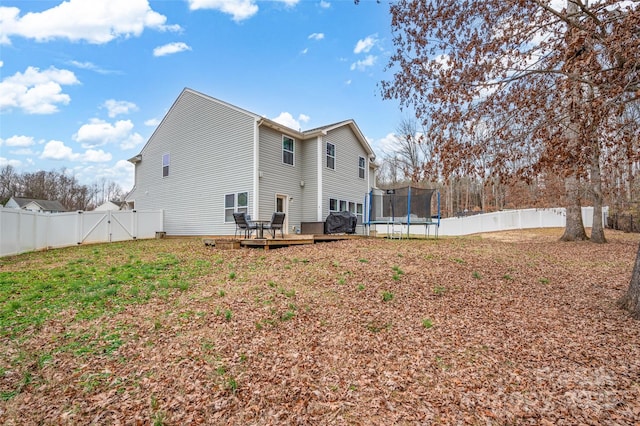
(340, 222)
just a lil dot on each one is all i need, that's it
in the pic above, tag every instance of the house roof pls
(318, 131)
(323, 130)
(46, 205)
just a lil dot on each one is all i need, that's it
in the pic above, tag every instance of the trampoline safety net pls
(407, 204)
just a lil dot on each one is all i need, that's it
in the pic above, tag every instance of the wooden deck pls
(269, 243)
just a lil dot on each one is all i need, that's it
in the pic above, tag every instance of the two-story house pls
(208, 159)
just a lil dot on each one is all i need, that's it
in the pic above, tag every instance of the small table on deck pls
(260, 228)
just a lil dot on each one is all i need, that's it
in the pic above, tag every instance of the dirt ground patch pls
(504, 328)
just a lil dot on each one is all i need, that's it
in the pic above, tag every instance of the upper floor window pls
(361, 167)
(331, 156)
(235, 203)
(287, 150)
(165, 165)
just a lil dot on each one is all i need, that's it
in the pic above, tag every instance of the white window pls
(165, 165)
(331, 156)
(343, 206)
(352, 207)
(288, 145)
(333, 205)
(235, 203)
(360, 212)
(361, 163)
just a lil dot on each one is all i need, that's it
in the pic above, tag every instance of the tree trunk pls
(574, 227)
(597, 230)
(631, 300)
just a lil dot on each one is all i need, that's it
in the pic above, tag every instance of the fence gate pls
(100, 226)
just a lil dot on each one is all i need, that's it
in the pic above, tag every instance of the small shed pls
(110, 205)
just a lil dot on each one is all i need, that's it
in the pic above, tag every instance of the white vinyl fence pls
(22, 231)
(491, 222)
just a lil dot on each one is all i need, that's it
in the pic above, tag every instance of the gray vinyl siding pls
(278, 177)
(211, 154)
(348, 150)
(309, 164)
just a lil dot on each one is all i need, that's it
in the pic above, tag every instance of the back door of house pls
(282, 205)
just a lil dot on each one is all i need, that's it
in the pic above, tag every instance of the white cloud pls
(18, 141)
(325, 4)
(122, 173)
(364, 64)
(304, 51)
(57, 150)
(304, 118)
(171, 48)
(1, 64)
(98, 133)
(238, 9)
(388, 144)
(316, 36)
(90, 66)
(116, 108)
(287, 119)
(35, 91)
(95, 21)
(152, 122)
(10, 162)
(366, 44)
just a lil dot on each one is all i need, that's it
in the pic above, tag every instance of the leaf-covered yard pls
(507, 328)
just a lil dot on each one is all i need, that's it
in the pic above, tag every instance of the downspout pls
(319, 164)
(256, 168)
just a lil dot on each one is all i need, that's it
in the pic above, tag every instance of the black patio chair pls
(277, 222)
(243, 224)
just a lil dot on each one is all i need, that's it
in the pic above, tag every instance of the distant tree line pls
(57, 185)
(415, 159)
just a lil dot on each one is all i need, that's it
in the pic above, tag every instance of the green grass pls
(92, 285)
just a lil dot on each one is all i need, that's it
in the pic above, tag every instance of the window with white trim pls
(165, 165)
(235, 203)
(361, 167)
(331, 156)
(333, 205)
(343, 206)
(288, 146)
(360, 212)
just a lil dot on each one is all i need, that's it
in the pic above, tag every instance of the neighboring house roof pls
(44, 205)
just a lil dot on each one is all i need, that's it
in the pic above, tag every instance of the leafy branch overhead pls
(506, 80)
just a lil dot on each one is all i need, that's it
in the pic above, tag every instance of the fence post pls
(134, 224)
(79, 227)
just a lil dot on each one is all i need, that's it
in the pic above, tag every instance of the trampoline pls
(400, 208)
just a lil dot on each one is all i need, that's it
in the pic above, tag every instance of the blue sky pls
(84, 83)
